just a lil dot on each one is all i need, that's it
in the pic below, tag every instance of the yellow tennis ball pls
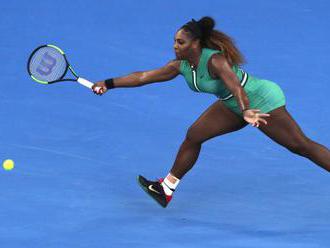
(8, 164)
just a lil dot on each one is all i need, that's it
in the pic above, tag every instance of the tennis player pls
(210, 62)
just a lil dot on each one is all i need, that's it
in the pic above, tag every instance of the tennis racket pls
(48, 64)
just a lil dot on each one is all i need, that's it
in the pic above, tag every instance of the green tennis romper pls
(263, 94)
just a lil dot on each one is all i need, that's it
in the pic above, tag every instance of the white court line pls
(56, 152)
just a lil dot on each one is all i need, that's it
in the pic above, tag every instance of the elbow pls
(138, 78)
(237, 91)
(240, 93)
(142, 78)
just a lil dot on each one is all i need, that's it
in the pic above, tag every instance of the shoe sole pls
(145, 189)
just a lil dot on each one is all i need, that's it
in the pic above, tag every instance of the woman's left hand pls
(254, 117)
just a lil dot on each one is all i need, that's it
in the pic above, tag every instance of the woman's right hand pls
(99, 88)
(255, 117)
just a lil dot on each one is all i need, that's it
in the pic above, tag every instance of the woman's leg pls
(285, 131)
(215, 121)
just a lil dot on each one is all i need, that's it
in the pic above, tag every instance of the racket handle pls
(85, 82)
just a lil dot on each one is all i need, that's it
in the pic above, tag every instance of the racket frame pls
(61, 79)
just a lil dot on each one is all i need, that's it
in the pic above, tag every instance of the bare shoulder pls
(174, 65)
(219, 64)
(217, 61)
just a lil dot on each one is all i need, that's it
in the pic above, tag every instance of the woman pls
(209, 62)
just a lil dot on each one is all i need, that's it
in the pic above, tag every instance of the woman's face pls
(182, 44)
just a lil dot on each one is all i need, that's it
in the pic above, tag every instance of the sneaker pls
(155, 190)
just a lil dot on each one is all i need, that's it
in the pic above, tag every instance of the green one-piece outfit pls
(262, 94)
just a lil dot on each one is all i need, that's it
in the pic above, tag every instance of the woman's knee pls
(194, 136)
(301, 146)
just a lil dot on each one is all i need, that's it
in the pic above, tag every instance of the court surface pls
(77, 155)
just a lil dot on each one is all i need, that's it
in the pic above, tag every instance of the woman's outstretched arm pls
(136, 79)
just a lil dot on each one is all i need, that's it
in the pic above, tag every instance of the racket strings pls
(47, 64)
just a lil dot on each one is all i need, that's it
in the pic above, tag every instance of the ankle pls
(172, 179)
(169, 184)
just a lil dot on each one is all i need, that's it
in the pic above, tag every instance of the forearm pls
(134, 79)
(242, 99)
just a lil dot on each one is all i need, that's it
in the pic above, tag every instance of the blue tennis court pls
(77, 155)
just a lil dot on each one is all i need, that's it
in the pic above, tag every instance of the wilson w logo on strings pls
(46, 65)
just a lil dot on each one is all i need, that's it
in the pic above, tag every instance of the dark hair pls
(203, 30)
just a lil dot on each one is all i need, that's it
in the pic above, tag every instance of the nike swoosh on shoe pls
(151, 188)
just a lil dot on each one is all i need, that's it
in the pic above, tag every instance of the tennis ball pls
(8, 164)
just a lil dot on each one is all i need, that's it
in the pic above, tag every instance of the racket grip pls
(85, 82)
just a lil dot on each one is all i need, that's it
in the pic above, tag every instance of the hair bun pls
(207, 24)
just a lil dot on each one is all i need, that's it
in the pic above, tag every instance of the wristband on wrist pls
(109, 83)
